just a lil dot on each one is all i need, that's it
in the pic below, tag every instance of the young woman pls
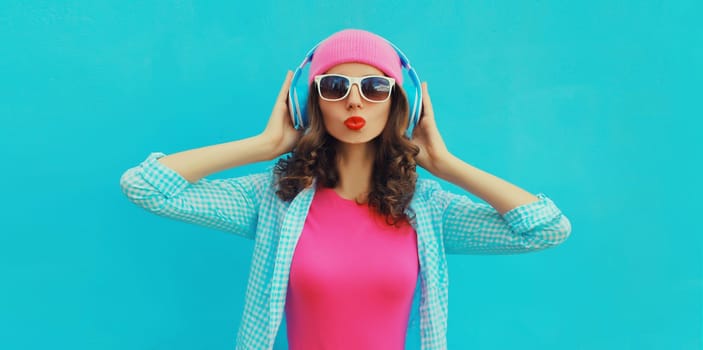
(349, 244)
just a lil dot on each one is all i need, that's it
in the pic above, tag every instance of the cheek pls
(385, 113)
(329, 109)
(325, 112)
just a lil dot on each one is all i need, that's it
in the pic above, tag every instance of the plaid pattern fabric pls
(446, 223)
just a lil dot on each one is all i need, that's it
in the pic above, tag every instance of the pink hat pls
(354, 45)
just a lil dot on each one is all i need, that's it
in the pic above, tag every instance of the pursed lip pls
(355, 122)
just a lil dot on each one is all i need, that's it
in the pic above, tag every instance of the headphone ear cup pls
(413, 91)
(291, 107)
(410, 95)
(298, 97)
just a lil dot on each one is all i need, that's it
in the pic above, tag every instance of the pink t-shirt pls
(352, 278)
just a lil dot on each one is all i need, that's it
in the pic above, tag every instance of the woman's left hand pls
(433, 152)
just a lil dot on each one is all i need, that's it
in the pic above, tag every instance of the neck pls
(355, 165)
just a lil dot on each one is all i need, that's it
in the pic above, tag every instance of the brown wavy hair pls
(393, 176)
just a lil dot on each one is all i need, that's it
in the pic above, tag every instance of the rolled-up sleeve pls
(230, 205)
(470, 227)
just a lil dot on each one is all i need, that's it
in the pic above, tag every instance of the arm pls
(515, 221)
(175, 185)
(278, 138)
(469, 227)
(230, 205)
(500, 194)
(197, 163)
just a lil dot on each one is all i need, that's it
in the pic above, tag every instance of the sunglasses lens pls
(376, 88)
(333, 87)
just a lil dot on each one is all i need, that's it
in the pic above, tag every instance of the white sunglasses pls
(336, 87)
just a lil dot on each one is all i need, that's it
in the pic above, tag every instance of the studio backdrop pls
(594, 103)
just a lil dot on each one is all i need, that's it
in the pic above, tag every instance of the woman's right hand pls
(279, 132)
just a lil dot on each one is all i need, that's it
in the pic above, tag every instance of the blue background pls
(595, 103)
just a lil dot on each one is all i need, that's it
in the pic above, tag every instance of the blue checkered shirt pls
(446, 223)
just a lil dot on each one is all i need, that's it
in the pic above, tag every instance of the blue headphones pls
(298, 93)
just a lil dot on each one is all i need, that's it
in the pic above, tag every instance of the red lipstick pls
(355, 122)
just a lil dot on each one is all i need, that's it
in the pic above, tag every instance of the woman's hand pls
(279, 132)
(433, 152)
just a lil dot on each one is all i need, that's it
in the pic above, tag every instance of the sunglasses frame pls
(352, 81)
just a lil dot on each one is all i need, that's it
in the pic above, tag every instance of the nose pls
(354, 99)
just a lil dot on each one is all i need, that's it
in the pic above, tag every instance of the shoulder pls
(430, 191)
(255, 185)
(424, 187)
(425, 190)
